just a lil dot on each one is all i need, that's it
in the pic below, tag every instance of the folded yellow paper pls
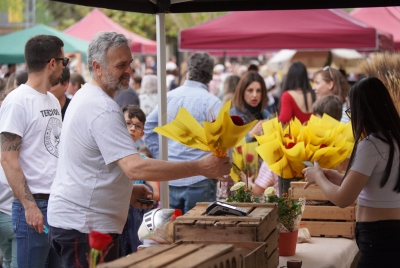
(324, 139)
(217, 137)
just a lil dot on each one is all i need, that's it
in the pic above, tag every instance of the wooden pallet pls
(184, 255)
(326, 221)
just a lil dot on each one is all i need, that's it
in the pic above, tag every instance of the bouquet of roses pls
(285, 149)
(218, 136)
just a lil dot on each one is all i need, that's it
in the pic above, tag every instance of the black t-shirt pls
(64, 109)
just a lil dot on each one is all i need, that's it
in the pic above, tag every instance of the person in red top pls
(298, 96)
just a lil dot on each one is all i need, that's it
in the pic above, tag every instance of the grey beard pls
(113, 84)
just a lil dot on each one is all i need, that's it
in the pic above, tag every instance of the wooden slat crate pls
(256, 227)
(184, 255)
(255, 252)
(327, 221)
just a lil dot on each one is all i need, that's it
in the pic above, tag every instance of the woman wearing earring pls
(298, 96)
(329, 81)
(373, 175)
(250, 101)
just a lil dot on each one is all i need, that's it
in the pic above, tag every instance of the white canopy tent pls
(342, 58)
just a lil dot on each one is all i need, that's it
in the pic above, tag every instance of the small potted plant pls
(289, 214)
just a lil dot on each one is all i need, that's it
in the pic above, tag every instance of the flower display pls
(285, 148)
(242, 194)
(218, 136)
(289, 211)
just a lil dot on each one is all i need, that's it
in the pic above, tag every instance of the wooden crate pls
(256, 227)
(183, 255)
(255, 253)
(327, 221)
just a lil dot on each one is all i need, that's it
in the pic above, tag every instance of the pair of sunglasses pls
(65, 61)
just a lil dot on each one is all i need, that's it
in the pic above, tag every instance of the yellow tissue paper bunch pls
(218, 136)
(285, 148)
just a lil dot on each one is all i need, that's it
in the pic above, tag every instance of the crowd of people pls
(77, 155)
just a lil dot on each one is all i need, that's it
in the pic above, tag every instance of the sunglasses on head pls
(64, 61)
(327, 68)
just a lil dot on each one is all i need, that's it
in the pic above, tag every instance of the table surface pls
(323, 252)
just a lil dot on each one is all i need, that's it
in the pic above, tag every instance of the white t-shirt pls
(371, 159)
(35, 117)
(90, 191)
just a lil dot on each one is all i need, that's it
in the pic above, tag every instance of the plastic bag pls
(157, 226)
(303, 235)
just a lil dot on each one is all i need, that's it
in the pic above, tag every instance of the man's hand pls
(141, 191)
(34, 218)
(211, 166)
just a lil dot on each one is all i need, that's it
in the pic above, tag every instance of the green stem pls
(94, 253)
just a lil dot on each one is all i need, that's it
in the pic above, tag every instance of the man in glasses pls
(98, 160)
(30, 129)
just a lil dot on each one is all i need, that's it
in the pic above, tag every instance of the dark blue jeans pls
(186, 197)
(33, 249)
(129, 239)
(73, 247)
(379, 243)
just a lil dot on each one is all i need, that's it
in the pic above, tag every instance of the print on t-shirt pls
(52, 136)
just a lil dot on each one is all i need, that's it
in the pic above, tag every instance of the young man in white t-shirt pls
(30, 128)
(98, 159)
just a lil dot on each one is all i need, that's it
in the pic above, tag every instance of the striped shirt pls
(267, 178)
(196, 98)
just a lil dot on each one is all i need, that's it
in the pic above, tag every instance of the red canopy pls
(96, 21)
(383, 18)
(291, 29)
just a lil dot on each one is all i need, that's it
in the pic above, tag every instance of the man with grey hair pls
(195, 97)
(98, 159)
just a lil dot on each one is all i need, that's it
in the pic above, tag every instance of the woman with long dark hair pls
(297, 97)
(250, 101)
(373, 175)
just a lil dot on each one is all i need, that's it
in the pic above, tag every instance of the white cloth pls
(35, 117)
(323, 252)
(371, 159)
(90, 191)
(148, 101)
(168, 80)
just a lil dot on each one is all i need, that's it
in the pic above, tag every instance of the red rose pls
(290, 145)
(99, 240)
(237, 120)
(239, 149)
(249, 158)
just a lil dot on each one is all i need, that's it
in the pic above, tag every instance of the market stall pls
(272, 30)
(383, 18)
(96, 21)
